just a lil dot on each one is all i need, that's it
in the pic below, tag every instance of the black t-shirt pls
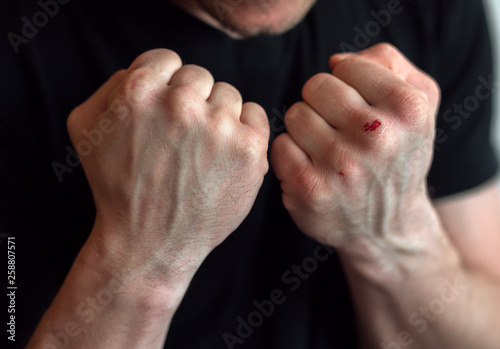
(55, 54)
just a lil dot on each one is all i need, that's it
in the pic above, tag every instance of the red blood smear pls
(373, 126)
(341, 174)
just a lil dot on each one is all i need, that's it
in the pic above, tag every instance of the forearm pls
(103, 304)
(424, 299)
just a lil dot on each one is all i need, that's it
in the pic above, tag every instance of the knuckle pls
(192, 74)
(227, 98)
(224, 131)
(307, 184)
(413, 105)
(295, 112)
(346, 65)
(184, 105)
(433, 88)
(315, 83)
(253, 148)
(230, 91)
(144, 59)
(316, 196)
(354, 112)
(385, 49)
(137, 90)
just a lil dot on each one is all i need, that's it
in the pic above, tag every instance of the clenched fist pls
(354, 160)
(179, 165)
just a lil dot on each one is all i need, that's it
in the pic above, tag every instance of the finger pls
(224, 99)
(374, 82)
(287, 157)
(309, 130)
(384, 54)
(337, 102)
(255, 116)
(148, 74)
(98, 102)
(194, 77)
(161, 62)
(339, 57)
(390, 57)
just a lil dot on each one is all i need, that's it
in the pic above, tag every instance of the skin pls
(156, 222)
(360, 190)
(246, 18)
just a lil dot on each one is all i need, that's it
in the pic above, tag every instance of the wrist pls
(414, 246)
(142, 278)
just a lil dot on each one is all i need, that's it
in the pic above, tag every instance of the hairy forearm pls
(103, 304)
(416, 299)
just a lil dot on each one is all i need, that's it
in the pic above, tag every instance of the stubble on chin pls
(267, 17)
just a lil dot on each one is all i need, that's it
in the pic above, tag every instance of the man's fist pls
(354, 161)
(179, 165)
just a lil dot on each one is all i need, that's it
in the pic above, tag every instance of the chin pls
(247, 18)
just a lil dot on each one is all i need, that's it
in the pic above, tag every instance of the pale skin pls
(361, 191)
